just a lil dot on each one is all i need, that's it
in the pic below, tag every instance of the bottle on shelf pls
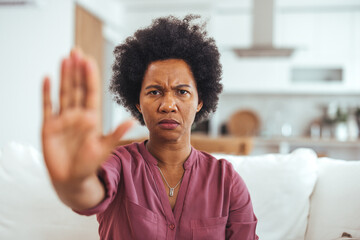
(352, 125)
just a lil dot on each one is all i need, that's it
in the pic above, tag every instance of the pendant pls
(171, 192)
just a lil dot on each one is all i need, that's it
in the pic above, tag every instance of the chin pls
(169, 135)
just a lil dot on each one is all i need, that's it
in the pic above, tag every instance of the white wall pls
(33, 39)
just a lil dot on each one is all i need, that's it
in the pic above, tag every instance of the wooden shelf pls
(305, 142)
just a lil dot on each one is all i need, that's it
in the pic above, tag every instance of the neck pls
(170, 154)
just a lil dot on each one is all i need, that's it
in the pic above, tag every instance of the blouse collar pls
(152, 160)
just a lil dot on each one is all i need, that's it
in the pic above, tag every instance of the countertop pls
(305, 141)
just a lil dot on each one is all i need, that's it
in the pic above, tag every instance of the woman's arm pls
(82, 195)
(73, 146)
(242, 220)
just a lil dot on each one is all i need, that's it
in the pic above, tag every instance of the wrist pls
(81, 194)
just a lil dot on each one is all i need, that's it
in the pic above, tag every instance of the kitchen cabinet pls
(326, 39)
(254, 75)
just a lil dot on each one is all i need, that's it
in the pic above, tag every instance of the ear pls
(199, 106)
(138, 107)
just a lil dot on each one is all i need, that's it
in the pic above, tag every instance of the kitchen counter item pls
(243, 123)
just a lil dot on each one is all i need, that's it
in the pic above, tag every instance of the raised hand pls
(73, 145)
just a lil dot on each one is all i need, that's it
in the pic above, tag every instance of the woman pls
(168, 76)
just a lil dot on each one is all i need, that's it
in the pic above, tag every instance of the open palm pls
(73, 145)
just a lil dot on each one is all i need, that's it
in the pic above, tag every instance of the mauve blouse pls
(212, 203)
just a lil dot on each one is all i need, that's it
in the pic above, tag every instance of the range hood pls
(262, 33)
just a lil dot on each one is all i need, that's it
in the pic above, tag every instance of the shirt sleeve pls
(109, 175)
(242, 220)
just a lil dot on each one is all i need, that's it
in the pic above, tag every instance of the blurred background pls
(291, 68)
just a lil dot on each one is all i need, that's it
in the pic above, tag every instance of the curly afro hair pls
(167, 38)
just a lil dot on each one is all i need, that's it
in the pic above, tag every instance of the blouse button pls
(172, 226)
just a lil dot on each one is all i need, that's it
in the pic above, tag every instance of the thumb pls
(113, 138)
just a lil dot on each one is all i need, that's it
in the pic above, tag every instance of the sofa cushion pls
(280, 187)
(335, 203)
(29, 207)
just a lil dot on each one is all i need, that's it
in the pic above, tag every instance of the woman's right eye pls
(154, 92)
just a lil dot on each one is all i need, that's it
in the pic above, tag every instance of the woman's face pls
(169, 99)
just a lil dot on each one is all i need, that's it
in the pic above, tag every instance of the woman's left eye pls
(183, 92)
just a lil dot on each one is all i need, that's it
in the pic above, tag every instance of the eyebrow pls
(177, 86)
(183, 85)
(153, 86)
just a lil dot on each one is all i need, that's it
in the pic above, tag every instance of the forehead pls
(173, 71)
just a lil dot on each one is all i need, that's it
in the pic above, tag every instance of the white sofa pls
(295, 197)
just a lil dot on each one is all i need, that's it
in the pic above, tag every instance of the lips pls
(168, 124)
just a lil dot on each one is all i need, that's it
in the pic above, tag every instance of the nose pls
(168, 104)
